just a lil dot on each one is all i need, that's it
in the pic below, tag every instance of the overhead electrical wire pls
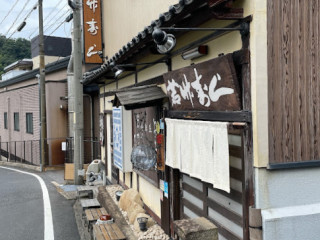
(57, 27)
(56, 18)
(52, 19)
(60, 16)
(26, 17)
(52, 11)
(9, 11)
(14, 22)
(49, 35)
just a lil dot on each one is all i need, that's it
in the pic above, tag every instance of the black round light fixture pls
(165, 42)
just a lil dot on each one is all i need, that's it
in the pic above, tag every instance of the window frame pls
(5, 120)
(29, 127)
(16, 125)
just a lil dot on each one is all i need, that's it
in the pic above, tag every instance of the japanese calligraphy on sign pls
(92, 30)
(211, 85)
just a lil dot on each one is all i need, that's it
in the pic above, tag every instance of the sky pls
(14, 12)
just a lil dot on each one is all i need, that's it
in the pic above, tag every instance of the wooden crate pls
(69, 171)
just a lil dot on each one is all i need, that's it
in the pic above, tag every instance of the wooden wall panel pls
(225, 210)
(293, 78)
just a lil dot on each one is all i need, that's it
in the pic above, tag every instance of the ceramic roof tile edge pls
(51, 67)
(165, 17)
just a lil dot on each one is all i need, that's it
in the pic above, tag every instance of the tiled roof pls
(50, 67)
(175, 13)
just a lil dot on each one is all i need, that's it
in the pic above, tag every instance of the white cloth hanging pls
(200, 149)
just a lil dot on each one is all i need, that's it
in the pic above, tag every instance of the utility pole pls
(77, 90)
(42, 80)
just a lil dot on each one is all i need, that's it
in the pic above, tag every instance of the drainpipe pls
(91, 122)
(9, 128)
(70, 95)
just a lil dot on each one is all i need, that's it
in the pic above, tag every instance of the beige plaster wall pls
(47, 60)
(57, 131)
(150, 196)
(259, 84)
(123, 19)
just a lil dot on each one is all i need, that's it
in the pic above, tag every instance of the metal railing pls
(92, 150)
(28, 152)
(21, 151)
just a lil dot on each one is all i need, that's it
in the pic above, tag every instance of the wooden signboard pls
(160, 152)
(207, 86)
(92, 30)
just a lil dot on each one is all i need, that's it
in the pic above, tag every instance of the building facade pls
(20, 112)
(258, 78)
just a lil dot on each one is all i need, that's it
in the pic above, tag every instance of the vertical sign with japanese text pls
(92, 30)
(117, 137)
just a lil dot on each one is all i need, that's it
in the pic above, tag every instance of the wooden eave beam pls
(213, 9)
(228, 14)
(215, 3)
(223, 10)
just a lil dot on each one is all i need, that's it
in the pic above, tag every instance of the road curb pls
(20, 165)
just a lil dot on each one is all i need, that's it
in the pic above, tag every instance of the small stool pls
(93, 214)
(88, 203)
(194, 229)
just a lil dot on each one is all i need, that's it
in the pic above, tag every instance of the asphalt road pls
(22, 212)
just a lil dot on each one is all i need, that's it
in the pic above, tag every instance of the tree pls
(12, 50)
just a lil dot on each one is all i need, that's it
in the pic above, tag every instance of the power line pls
(17, 16)
(25, 19)
(54, 9)
(52, 19)
(9, 12)
(63, 15)
(57, 28)
(50, 35)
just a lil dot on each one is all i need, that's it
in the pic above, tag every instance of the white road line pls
(48, 223)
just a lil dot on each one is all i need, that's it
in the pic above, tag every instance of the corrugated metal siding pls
(293, 78)
(138, 95)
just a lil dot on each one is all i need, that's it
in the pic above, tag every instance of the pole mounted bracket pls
(73, 5)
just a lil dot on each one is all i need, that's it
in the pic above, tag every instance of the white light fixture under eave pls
(199, 51)
(117, 71)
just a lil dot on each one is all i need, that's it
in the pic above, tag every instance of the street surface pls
(25, 208)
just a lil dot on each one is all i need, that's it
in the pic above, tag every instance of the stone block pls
(194, 229)
(255, 233)
(255, 218)
(133, 210)
(128, 197)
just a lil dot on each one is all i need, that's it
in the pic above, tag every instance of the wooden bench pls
(93, 214)
(107, 232)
